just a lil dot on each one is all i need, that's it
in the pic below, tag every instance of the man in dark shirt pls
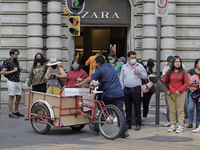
(112, 89)
(11, 70)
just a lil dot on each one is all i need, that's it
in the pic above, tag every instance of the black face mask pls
(38, 60)
(177, 68)
(15, 59)
(54, 66)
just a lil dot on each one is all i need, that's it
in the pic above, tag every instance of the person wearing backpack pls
(11, 70)
(194, 102)
(176, 80)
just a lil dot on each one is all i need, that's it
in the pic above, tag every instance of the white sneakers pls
(196, 130)
(173, 128)
(179, 129)
(167, 124)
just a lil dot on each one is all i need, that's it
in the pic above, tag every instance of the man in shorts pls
(11, 70)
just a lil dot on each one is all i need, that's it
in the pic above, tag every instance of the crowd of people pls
(124, 82)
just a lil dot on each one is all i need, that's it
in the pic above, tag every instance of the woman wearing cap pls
(115, 63)
(37, 73)
(75, 75)
(54, 72)
(147, 95)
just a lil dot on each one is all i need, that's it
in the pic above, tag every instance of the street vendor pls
(112, 90)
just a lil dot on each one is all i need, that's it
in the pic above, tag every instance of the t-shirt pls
(118, 68)
(37, 74)
(109, 81)
(72, 75)
(10, 65)
(192, 72)
(91, 61)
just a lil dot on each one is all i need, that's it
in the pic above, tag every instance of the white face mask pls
(133, 61)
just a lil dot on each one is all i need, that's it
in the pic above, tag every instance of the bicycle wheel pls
(39, 125)
(78, 127)
(111, 122)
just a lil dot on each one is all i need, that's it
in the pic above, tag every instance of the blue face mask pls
(75, 67)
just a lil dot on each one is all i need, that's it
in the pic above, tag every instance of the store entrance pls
(94, 39)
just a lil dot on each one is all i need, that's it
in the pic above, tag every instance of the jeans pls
(186, 108)
(118, 102)
(191, 110)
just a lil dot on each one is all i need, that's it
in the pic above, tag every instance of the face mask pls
(111, 61)
(199, 65)
(54, 66)
(75, 67)
(38, 60)
(14, 59)
(133, 61)
(177, 68)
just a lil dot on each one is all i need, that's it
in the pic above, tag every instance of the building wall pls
(32, 26)
(40, 26)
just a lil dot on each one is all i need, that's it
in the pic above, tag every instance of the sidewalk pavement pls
(150, 137)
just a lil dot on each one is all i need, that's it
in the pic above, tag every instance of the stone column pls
(34, 31)
(168, 33)
(54, 30)
(149, 30)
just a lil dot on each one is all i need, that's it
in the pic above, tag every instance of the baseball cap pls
(122, 59)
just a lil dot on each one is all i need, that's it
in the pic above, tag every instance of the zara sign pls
(107, 12)
(102, 15)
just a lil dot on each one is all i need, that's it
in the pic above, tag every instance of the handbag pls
(149, 86)
(196, 94)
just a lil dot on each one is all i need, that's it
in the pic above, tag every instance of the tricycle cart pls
(47, 110)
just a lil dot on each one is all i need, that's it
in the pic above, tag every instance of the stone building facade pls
(41, 26)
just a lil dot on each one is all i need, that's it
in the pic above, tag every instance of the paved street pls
(17, 134)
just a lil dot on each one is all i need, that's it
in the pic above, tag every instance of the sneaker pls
(13, 116)
(196, 130)
(94, 129)
(18, 114)
(167, 124)
(124, 134)
(172, 128)
(179, 129)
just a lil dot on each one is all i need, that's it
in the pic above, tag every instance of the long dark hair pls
(115, 57)
(171, 69)
(150, 64)
(42, 60)
(75, 60)
(196, 62)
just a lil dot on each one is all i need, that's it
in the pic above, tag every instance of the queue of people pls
(122, 81)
